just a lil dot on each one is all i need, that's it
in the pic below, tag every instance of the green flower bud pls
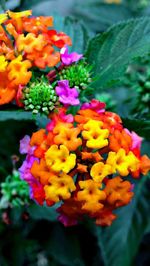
(39, 96)
(79, 75)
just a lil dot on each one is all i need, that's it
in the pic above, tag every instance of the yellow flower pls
(123, 163)
(59, 159)
(16, 15)
(3, 18)
(91, 195)
(3, 63)
(30, 42)
(60, 187)
(100, 170)
(95, 136)
(18, 71)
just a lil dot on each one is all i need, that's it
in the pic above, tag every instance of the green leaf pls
(119, 243)
(15, 115)
(113, 50)
(39, 119)
(64, 246)
(38, 212)
(98, 16)
(141, 127)
(75, 30)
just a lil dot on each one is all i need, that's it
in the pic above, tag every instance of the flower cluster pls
(28, 45)
(82, 161)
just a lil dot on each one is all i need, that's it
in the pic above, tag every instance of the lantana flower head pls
(26, 43)
(83, 161)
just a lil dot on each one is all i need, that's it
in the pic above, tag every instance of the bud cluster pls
(39, 96)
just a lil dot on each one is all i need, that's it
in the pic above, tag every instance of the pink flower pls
(67, 95)
(68, 59)
(25, 146)
(136, 139)
(95, 105)
(62, 116)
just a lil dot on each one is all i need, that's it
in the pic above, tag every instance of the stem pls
(52, 74)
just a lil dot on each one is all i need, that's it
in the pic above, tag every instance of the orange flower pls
(111, 121)
(7, 51)
(84, 115)
(37, 24)
(16, 18)
(41, 172)
(105, 217)
(46, 57)
(81, 168)
(4, 37)
(120, 139)
(71, 208)
(11, 30)
(96, 157)
(67, 136)
(38, 137)
(145, 165)
(118, 192)
(7, 92)
(42, 141)
(91, 195)
(50, 139)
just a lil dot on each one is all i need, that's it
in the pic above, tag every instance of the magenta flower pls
(95, 105)
(67, 95)
(25, 168)
(67, 59)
